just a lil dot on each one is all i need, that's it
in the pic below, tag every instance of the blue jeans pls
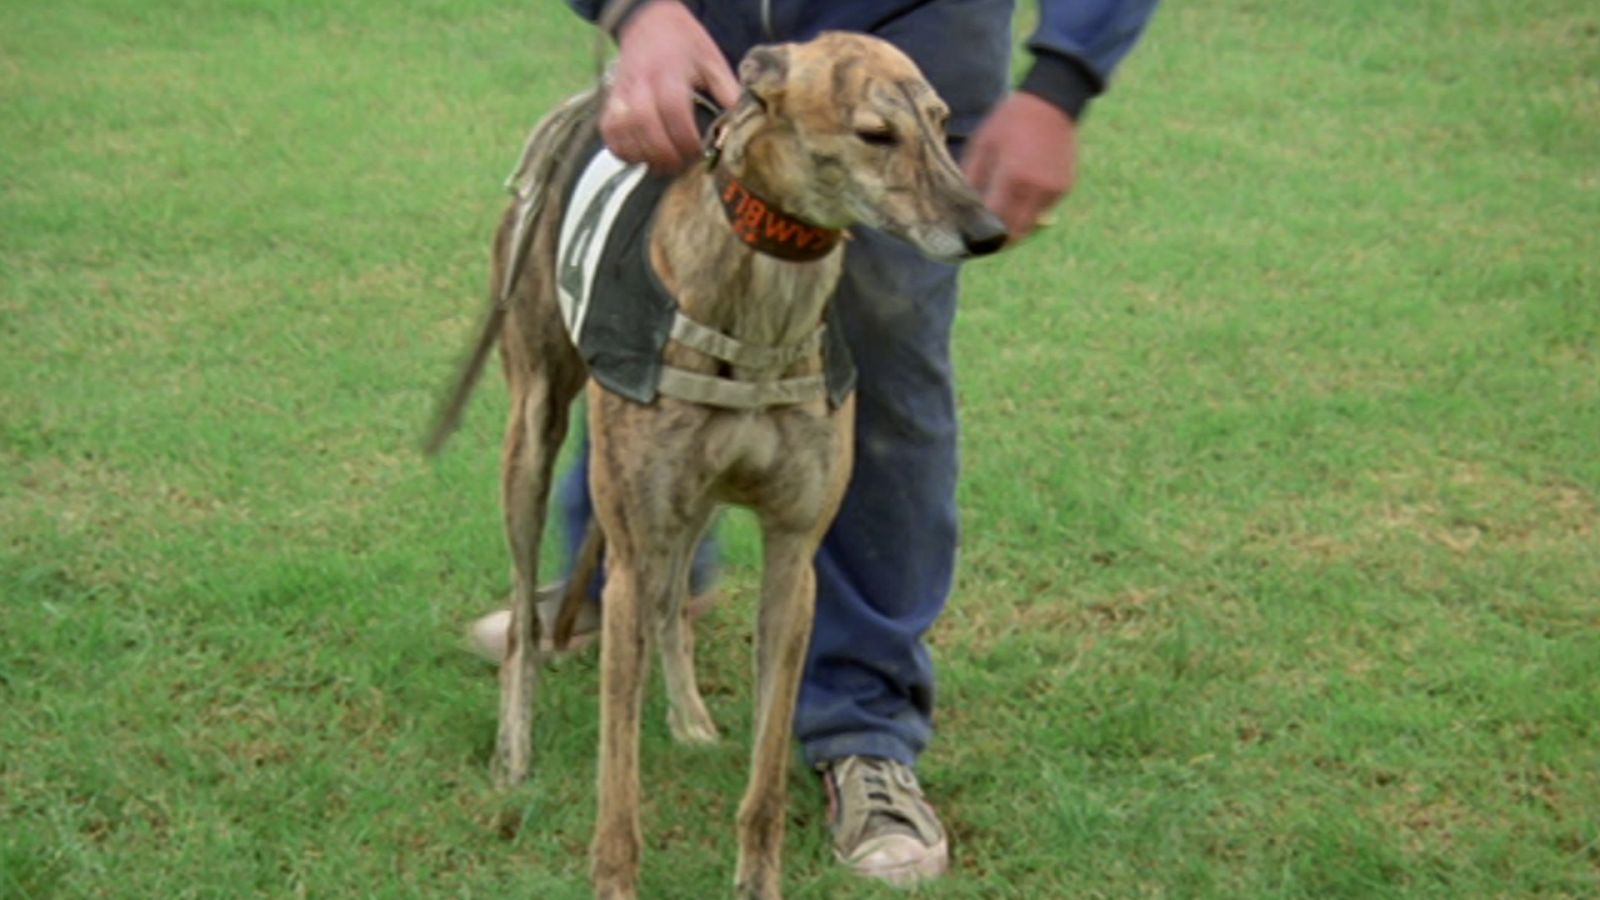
(885, 567)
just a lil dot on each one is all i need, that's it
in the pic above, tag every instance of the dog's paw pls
(763, 886)
(695, 730)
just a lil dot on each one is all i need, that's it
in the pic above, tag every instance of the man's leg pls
(885, 567)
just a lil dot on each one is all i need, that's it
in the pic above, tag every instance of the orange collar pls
(770, 230)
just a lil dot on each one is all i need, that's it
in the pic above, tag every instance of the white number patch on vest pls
(598, 197)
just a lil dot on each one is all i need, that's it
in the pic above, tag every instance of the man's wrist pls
(1062, 81)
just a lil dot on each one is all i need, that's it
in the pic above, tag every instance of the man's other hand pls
(1023, 159)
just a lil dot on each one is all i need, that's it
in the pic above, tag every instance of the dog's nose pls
(983, 234)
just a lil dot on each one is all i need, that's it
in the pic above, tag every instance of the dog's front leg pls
(623, 666)
(788, 599)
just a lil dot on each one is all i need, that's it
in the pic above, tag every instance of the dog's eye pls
(878, 137)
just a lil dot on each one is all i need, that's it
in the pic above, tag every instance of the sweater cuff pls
(1062, 81)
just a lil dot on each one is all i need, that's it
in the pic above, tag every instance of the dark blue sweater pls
(1076, 47)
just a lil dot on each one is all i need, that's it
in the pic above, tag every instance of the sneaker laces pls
(871, 796)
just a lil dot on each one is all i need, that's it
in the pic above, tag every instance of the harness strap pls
(709, 390)
(711, 342)
(728, 393)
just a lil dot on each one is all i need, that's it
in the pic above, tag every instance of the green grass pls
(1281, 575)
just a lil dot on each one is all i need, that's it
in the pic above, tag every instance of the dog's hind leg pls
(538, 424)
(687, 716)
(788, 599)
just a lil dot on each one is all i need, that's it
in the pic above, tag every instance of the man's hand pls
(1022, 159)
(664, 55)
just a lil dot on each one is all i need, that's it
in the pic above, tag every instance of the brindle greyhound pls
(840, 131)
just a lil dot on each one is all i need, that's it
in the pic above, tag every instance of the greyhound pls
(836, 132)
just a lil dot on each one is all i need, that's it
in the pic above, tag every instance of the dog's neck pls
(723, 281)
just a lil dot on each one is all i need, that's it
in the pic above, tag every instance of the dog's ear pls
(764, 71)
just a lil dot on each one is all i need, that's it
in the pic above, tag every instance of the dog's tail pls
(447, 417)
(536, 184)
(584, 571)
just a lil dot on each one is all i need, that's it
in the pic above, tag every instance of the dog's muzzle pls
(983, 233)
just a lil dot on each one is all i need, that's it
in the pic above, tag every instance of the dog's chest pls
(784, 460)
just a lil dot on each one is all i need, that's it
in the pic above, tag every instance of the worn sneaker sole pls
(901, 861)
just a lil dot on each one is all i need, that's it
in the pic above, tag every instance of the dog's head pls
(844, 130)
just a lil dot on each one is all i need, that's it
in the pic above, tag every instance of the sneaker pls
(882, 827)
(486, 637)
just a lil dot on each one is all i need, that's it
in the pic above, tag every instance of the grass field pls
(1281, 571)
